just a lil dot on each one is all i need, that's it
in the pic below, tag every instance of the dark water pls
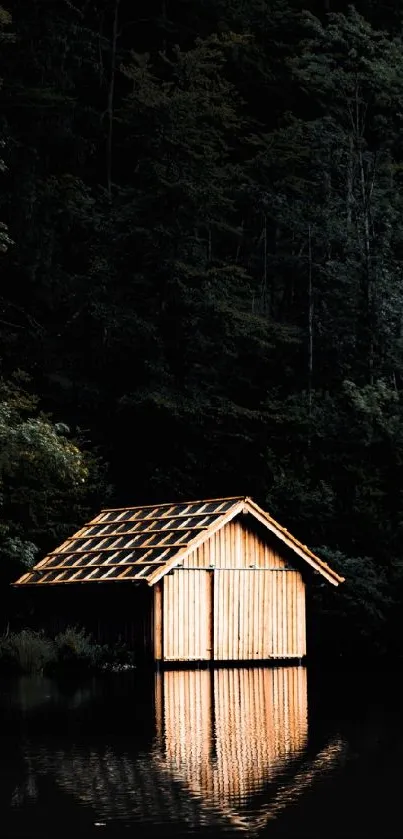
(269, 752)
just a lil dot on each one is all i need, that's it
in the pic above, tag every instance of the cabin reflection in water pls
(227, 733)
(229, 750)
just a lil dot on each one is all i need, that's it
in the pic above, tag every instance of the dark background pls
(205, 282)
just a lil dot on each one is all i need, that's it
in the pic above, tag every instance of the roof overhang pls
(184, 527)
(247, 506)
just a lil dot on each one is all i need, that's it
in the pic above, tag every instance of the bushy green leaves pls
(43, 475)
(353, 621)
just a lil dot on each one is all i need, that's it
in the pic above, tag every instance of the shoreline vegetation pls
(72, 651)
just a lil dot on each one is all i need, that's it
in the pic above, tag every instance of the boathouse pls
(204, 581)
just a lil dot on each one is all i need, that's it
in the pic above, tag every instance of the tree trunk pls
(239, 244)
(264, 276)
(111, 93)
(100, 58)
(164, 16)
(310, 323)
(350, 180)
(209, 246)
(367, 278)
(364, 233)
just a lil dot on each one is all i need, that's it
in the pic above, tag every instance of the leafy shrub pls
(353, 619)
(76, 650)
(26, 652)
(117, 657)
(71, 651)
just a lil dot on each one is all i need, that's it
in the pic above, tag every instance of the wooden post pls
(158, 621)
(210, 614)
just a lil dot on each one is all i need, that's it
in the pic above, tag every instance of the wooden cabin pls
(205, 581)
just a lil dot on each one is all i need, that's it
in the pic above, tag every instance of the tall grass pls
(26, 652)
(72, 650)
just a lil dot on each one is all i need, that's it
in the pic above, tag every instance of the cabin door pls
(242, 598)
(188, 615)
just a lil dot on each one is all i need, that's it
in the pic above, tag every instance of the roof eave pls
(241, 504)
(297, 547)
(36, 584)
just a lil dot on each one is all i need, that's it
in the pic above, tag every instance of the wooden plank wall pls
(186, 628)
(234, 600)
(235, 546)
(226, 734)
(258, 615)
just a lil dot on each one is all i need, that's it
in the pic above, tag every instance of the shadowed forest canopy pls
(201, 257)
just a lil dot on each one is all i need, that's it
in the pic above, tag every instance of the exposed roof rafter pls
(144, 543)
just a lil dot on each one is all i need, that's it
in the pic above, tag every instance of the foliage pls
(42, 473)
(72, 651)
(207, 215)
(26, 652)
(360, 608)
(117, 657)
(76, 650)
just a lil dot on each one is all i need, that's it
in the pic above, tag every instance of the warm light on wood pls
(237, 590)
(228, 734)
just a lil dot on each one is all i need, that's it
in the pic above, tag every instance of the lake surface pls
(261, 751)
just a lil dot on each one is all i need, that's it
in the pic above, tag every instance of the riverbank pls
(29, 652)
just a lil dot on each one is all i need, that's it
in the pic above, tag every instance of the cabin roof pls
(141, 544)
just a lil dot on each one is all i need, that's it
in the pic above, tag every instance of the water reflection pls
(30, 694)
(227, 733)
(229, 750)
(231, 735)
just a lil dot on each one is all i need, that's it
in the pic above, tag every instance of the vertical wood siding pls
(235, 546)
(258, 615)
(234, 600)
(187, 616)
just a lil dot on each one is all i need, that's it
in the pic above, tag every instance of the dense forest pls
(201, 294)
